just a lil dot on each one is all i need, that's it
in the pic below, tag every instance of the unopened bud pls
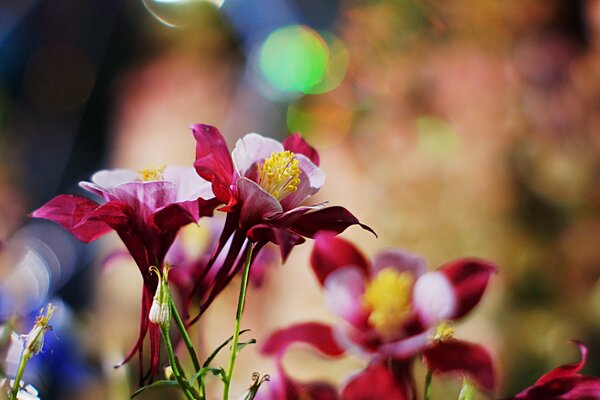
(160, 311)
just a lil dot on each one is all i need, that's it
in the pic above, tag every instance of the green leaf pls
(216, 351)
(163, 382)
(204, 371)
(244, 344)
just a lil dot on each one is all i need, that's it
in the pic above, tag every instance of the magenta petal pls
(296, 144)
(285, 239)
(335, 219)
(377, 381)
(344, 288)
(463, 358)
(76, 214)
(256, 204)
(213, 161)
(174, 216)
(315, 334)
(469, 277)
(331, 253)
(567, 369)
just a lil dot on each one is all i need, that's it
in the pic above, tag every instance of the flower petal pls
(190, 186)
(463, 358)
(256, 204)
(315, 334)
(76, 214)
(567, 369)
(312, 178)
(344, 288)
(252, 148)
(104, 180)
(434, 298)
(400, 261)
(377, 381)
(331, 253)
(297, 145)
(469, 277)
(335, 219)
(213, 161)
(282, 237)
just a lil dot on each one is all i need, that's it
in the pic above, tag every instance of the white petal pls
(343, 293)
(434, 297)
(190, 185)
(253, 148)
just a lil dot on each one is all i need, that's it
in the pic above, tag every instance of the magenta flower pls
(263, 184)
(565, 383)
(146, 209)
(392, 311)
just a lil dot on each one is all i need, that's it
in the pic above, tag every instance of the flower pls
(564, 382)
(146, 209)
(262, 185)
(393, 311)
(281, 386)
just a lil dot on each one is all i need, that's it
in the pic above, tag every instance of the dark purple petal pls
(331, 253)
(285, 239)
(76, 214)
(462, 358)
(564, 382)
(334, 219)
(315, 334)
(213, 161)
(256, 204)
(377, 381)
(296, 144)
(469, 278)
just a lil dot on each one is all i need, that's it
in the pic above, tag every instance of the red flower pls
(263, 184)
(146, 210)
(565, 383)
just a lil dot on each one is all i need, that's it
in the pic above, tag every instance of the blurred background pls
(452, 128)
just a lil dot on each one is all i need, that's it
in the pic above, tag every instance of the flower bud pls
(160, 311)
(34, 341)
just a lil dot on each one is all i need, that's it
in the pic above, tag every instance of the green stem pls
(428, 377)
(238, 320)
(184, 385)
(22, 363)
(186, 338)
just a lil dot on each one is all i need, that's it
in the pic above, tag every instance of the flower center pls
(443, 332)
(152, 174)
(388, 298)
(279, 175)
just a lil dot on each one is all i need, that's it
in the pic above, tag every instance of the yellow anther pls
(443, 332)
(279, 175)
(152, 174)
(388, 298)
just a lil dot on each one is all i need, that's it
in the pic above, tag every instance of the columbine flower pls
(263, 184)
(564, 382)
(146, 209)
(393, 311)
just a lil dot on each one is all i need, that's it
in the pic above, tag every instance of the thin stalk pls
(428, 377)
(185, 336)
(176, 372)
(15, 389)
(238, 320)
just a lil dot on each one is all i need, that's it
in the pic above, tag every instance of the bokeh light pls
(179, 13)
(294, 59)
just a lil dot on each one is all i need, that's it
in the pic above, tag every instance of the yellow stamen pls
(152, 174)
(443, 332)
(279, 175)
(388, 298)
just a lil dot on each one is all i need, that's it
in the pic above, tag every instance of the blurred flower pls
(262, 185)
(564, 382)
(26, 392)
(146, 209)
(393, 311)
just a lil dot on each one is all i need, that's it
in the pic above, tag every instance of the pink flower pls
(392, 311)
(263, 184)
(565, 383)
(146, 209)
